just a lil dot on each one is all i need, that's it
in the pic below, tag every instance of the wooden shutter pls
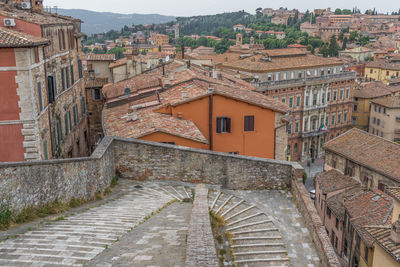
(228, 125)
(219, 130)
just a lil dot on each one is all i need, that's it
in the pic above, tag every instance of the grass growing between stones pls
(5, 215)
(157, 211)
(218, 225)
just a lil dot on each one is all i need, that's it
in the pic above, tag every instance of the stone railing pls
(314, 224)
(39, 182)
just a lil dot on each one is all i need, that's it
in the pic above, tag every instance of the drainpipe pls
(210, 121)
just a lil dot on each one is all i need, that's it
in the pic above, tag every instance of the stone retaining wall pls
(200, 249)
(144, 160)
(28, 184)
(314, 224)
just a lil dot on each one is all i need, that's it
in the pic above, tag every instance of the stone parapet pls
(314, 224)
(200, 250)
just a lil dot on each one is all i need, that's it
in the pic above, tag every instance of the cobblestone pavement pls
(312, 171)
(278, 205)
(74, 240)
(161, 241)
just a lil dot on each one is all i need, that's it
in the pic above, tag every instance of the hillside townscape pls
(264, 138)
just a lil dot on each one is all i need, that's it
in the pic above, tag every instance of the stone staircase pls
(74, 240)
(256, 241)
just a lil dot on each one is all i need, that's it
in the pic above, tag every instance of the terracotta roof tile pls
(333, 180)
(381, 235)
(368, 207)
(393, 192)
(37, 18)
(119, 62)
(100, 57)
(389, 101)
(383, 65)
(11, 38)
(364, 148)
(371, 90)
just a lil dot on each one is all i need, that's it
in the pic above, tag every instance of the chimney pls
(395, 232)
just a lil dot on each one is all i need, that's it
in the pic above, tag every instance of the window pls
(59, 132)
(348, 93)
(381, 187)
(296, 127)
(383, 124)
(63, 79)
(248, 123)
(341, 94)
(379, 109)
(328, 98)
(384, 110)
(339, 118)
(223, 125)
(289, 129)
(72, 75)
(300, 74)
(284, 75)
(298, 99)
(373, 131)
(80, 68)
(327, 120)
(67, 77)
(334, 95)
(283, 99)
(295, 148)
(127, 92)
(315, 96)
(315, 72)
(67, 129)
(292, 75)
(322, 72)
(75, 110)
(269, 77)
(375, 108)
(45, 153)
(50, 89)
(323, 98)
(291, 101)
(355, 107)
(374, 120)
(69, 120)
(333, 119)
(307, 100)
(277, 76)
(378, 122)
(328, 212)
(345, 117)
(39, 88)
(83, 106)
(96, 94)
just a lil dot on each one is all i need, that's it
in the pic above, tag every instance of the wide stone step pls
(255, 231)
(220, 207)
(280, 244)
(249, 225)
(260, 252)
(245, 218)
(262, 260)
(240, 212)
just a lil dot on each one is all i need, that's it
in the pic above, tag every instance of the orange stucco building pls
(205, 113)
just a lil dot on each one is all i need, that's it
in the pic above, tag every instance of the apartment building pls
(185, 106)
(371, 159)
(319, 92)
(364, 93)
(382, 70)
(160, 39)
(45, 116)
(385, 118)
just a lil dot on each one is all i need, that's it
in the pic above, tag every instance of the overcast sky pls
(206, 7)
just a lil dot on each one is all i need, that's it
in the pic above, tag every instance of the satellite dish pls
(148, 65)
(167, 59)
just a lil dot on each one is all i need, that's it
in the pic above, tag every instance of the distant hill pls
(98, 22)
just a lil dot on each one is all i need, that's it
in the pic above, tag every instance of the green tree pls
(344, 43)
(333, 48)
(118, 51)
(324, 50)
(338, 11)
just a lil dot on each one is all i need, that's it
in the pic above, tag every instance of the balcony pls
(304, 81)
(312, 107)
(314, 133)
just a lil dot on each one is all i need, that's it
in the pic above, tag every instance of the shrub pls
(5, 215)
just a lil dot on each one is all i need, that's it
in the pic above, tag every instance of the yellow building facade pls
(382, 71)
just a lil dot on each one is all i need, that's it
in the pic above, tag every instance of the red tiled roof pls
(389, 101)
(371, 90)
(368, 207)
(100, 57)
(333, 180)
(118, 63)
(147, 122)
(365, 148)
(10, 38)
(381, 235)
(37, 18)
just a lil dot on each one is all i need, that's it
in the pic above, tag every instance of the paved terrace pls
(142, 228)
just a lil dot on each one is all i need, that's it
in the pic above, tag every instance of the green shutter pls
(46, 155)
